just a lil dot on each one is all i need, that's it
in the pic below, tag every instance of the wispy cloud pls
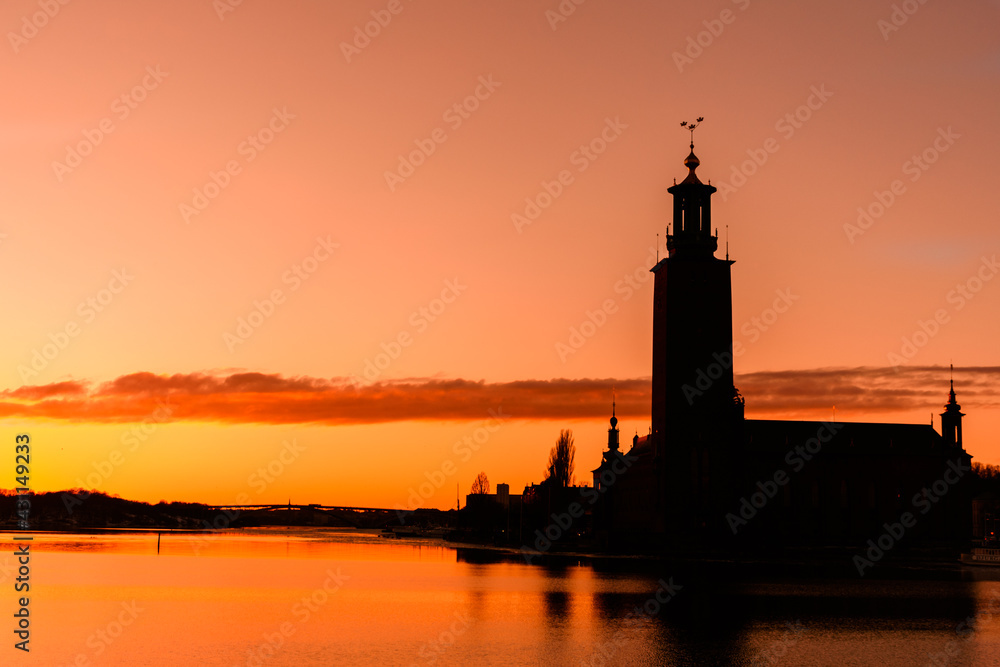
(867, 389)
(258, 398)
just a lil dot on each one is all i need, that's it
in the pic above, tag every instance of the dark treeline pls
(68, 510)
(64, 510)
(986, 479)
(78, 509)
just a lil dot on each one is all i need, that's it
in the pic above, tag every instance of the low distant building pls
(495, 515)
(503, 495)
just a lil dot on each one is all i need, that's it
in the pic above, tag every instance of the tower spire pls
(692, 161)
(613, 431)
(951, 418)
(692, 218)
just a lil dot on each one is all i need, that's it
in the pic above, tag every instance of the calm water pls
(325, 597)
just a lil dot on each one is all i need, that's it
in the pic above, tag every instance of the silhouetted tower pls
(951, 421)
(696, 411)
(613, 431)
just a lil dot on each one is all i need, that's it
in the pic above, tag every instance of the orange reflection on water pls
(292, 597)
(323, 597)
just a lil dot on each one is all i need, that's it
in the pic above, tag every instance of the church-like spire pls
(951, 418)
(692, 219)
(613, 431)
(951, 394)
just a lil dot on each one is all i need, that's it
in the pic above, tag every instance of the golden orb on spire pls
(692, 161)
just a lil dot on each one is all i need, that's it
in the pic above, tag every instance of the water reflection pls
(316, 596)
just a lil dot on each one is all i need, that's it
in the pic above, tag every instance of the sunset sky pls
(216, 217)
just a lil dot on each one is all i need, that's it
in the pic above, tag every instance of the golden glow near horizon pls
(342, 196)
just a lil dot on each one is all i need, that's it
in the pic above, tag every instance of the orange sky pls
(172, 170)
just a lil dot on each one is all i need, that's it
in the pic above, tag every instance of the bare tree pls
(481, 485)
(561, 460)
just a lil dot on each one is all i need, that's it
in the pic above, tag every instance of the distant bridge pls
(357, 517)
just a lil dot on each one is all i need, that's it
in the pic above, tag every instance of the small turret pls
(613, 431)
(951, 419)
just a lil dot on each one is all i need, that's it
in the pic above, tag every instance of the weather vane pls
(691, 127)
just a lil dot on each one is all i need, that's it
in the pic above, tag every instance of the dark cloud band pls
(248, 398)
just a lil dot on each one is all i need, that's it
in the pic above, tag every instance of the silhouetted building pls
(985, 512)
(494, 516)
(503, 495)
(706, 475)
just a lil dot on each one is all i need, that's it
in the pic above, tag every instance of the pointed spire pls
(951, 418)
(613, 431)
(951, 392)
